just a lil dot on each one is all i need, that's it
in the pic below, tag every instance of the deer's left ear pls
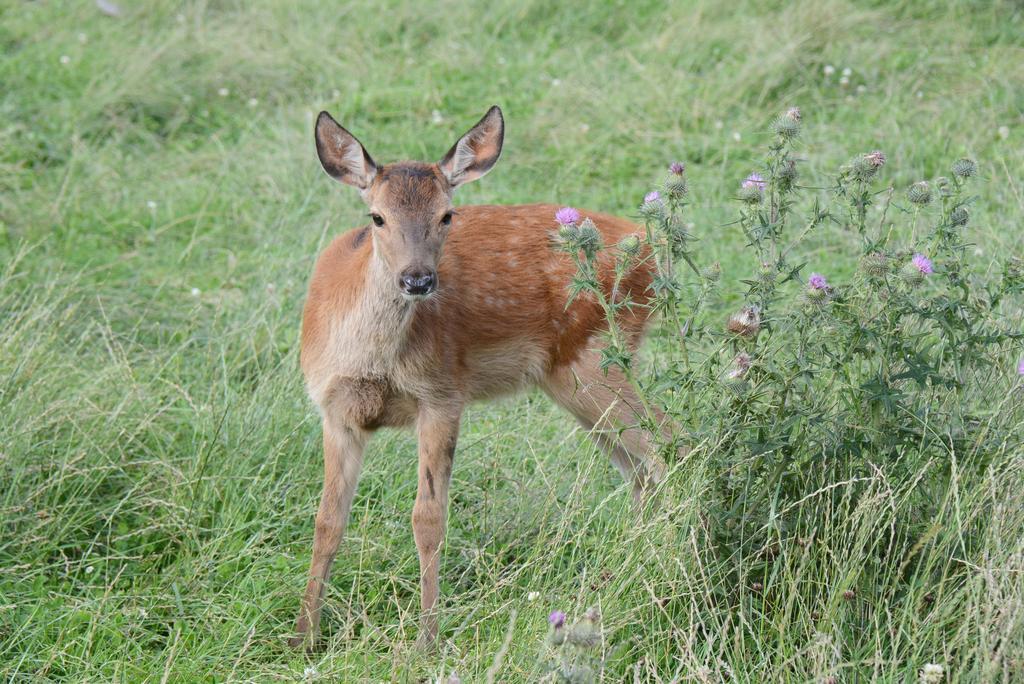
(477, 151)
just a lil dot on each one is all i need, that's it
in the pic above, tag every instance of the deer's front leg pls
(343, 459)
(438, 430)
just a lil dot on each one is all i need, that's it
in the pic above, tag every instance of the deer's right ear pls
(342, 156)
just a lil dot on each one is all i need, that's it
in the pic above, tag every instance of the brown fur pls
(499, 321)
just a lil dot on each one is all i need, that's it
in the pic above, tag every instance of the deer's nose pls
(417, 282)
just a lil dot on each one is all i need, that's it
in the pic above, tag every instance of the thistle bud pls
(862, 169)
(965, 168)
(959, 216)
(653, 208)
(876, 158)
(944, 186)
(752, 189)
(676, 186)
(816, 296)
(712, 273)
(789, 172)
(817, 289)
(589, 238)
(787, 126)
(920, 193)
(630, 245)
(865, 166)
(875, 265)
(745, 323)
(767, 273)
(586, 633)
(751, 196)
(912, 275)
(557, 621)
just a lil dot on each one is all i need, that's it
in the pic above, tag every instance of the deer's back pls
(504, 274)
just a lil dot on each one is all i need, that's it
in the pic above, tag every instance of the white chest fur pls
(365, 341)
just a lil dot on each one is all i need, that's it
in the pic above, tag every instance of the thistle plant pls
(581, 240)
(853, 186)
(572, 651)
(813, 370)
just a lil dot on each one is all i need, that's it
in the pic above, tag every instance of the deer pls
(429, 307)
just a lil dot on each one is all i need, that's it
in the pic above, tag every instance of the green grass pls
(159, 459)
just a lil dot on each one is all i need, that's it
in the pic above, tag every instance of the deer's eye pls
(377, 219)
(446, 220)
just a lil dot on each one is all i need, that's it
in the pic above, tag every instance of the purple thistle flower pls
(817, 282)
(557, 619)
(876, 158)
(677, 168)
(567, 216)
(922, 264)
(652, 196)
(754, 180)
(1020, 367)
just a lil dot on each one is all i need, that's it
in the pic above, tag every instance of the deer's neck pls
(372, 332)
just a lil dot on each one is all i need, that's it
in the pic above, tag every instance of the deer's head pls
(410, 202)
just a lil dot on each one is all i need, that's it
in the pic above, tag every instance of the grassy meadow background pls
(161, 207)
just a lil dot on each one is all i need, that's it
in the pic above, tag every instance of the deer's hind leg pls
(609, 409)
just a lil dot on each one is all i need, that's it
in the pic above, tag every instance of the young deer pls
(410, 318)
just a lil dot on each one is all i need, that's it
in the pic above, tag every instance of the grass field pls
(161, 207)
